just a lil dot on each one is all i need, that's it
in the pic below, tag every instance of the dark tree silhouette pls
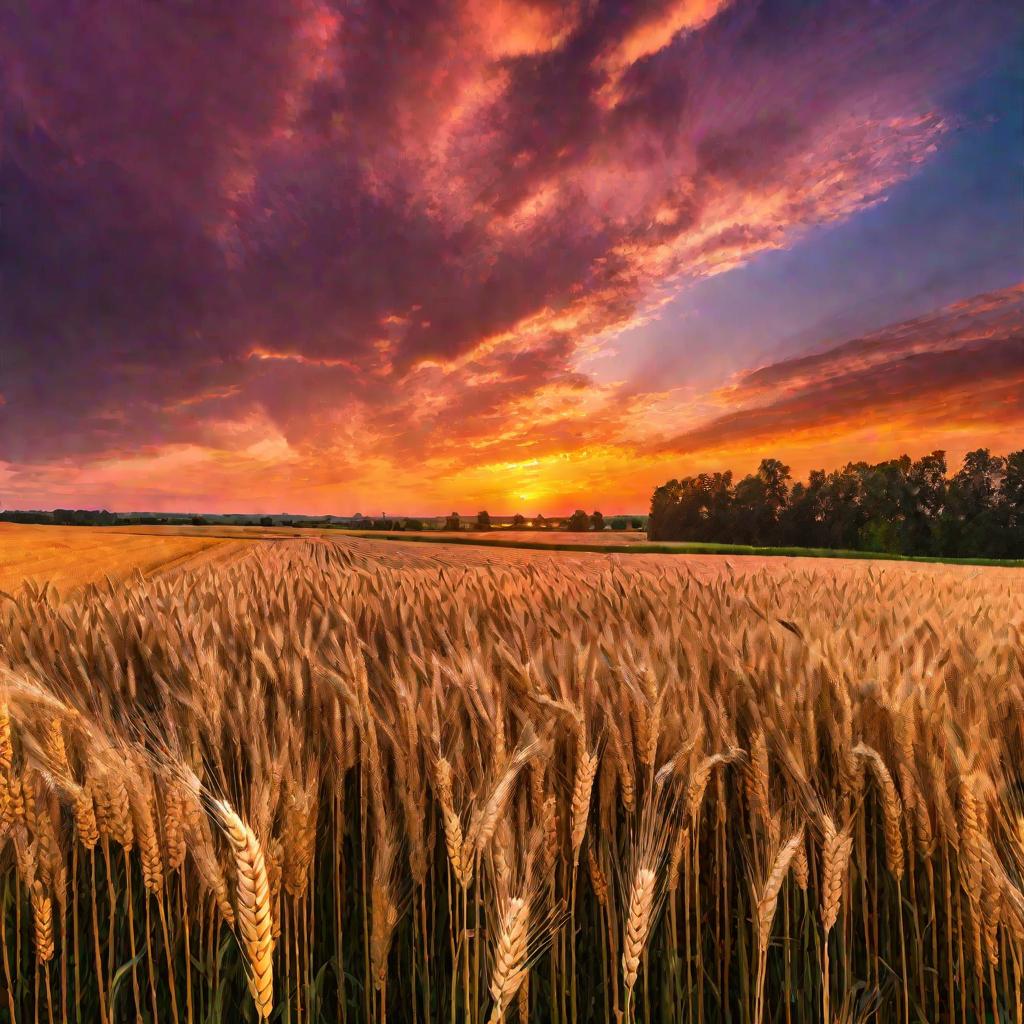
(974, 494)
(694, 508)
(453, 522)
(483, 521)
(759, 501)
(1013, 501)
(596, 521)
(579, 522)
(518, 521)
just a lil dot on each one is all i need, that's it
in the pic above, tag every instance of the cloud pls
(993, 317)
(962, 366)
(385, 233)
(653, 27)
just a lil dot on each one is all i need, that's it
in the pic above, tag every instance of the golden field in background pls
(70, 556)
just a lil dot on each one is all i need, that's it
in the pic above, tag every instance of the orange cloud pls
(651, 32)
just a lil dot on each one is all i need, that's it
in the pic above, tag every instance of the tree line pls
(578, 522)
(901, 506)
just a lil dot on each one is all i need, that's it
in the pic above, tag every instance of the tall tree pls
(802, 522)
(887, 505)
(579, 522)
(928, 487)
(973, 513)
(694, 508)
(1012, 502)
(759, 502)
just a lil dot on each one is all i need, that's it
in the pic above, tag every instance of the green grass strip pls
(685, 548)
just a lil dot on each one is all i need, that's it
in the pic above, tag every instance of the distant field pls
(71, 556)
(549, 538)
(634, 541)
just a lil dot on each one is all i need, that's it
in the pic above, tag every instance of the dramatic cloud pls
(945, 374)
(307, 252)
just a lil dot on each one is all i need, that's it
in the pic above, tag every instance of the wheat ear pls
(586, 768)
(769, 898)
(638, 924)
(42, 922)
(510, 956)
(252, 906)
(892, 809)
(835, 860)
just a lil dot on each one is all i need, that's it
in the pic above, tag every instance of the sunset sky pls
(521, 255)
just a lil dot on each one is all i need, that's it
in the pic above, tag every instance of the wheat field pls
(321, 780)
(66, 557)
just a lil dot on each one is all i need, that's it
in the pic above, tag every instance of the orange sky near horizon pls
(953, 380)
